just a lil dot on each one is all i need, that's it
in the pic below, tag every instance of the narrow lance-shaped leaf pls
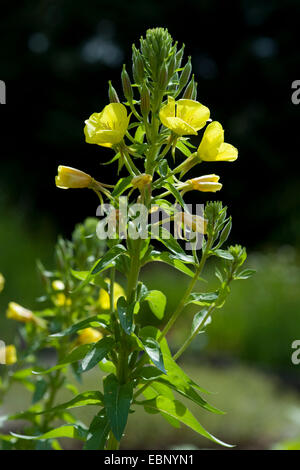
(97, 433)
(117, 400)
(176, 409)
(98, 351)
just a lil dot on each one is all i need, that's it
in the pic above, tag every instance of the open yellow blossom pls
(10, 355)
(68, 177)
(108, 127)
(212, 147)
(104, 300)
(23, 315)
(88, 335)
(184, 117)
(207, 183)
(2, 282)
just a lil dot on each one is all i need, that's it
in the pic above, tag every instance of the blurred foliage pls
(260, 414)
(258, 323)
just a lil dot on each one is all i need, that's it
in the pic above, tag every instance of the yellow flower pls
(207, 183)
(68, 177)
(184, 117)
(141, 181)
(88, 335)
(18, 313)
(104, 300)
(23, 315)
(108, 127)
(59, 299)
(10, 355)
(212, 147)
(2, 282)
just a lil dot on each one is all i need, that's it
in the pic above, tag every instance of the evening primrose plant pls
(94, 300)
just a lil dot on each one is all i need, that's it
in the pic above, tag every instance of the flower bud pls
(208, 183)
(58, 285)
(171, 66)
(88, 335)
(104, 298)
(185, 74)
(10, 355)
(19, 313)
(2, 282)
(137, 66)
(112, 94)
(188, 92)
(23, 315)
(127, 89)
(145, 100)
(141, 181)
(68, 177)
(179, 56)
(163, 77)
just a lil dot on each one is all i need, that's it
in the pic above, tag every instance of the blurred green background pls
(56, 59)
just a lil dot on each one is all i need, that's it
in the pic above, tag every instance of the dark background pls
(57, 57)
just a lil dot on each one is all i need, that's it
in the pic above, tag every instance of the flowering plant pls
(90, 319)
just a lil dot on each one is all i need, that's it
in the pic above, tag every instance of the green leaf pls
(117, 400)
(189, 392)
(102, 264)
(176, 194)
(245, 274)
(180, 145)
(126, 313)
(98, 351)
(89, 398)
(169, 241)
(152, 348)
(157, 302)
(97, 433)
(198, 319)
(205, 298)
(177, 410)
(225, 233)
(94, 321)
(121, 186)
(108, 258)
(73, 431)
(148, 372)
(168, 258)
(74, 356)
(222, 254)
(40, 390)
(174, 371)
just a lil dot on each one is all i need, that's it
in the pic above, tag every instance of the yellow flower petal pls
(108, 127)
(184, 117)
(88, 335)
(68, 177)
(179, 127)
(104, 300)
(212, 146)
(227, 152)
(10, 355)
(193, 113)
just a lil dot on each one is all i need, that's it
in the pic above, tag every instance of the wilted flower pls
(212, 147)
(193, 222)
(141, 181)
(108, 127)
(68, 177)
(184, 117)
